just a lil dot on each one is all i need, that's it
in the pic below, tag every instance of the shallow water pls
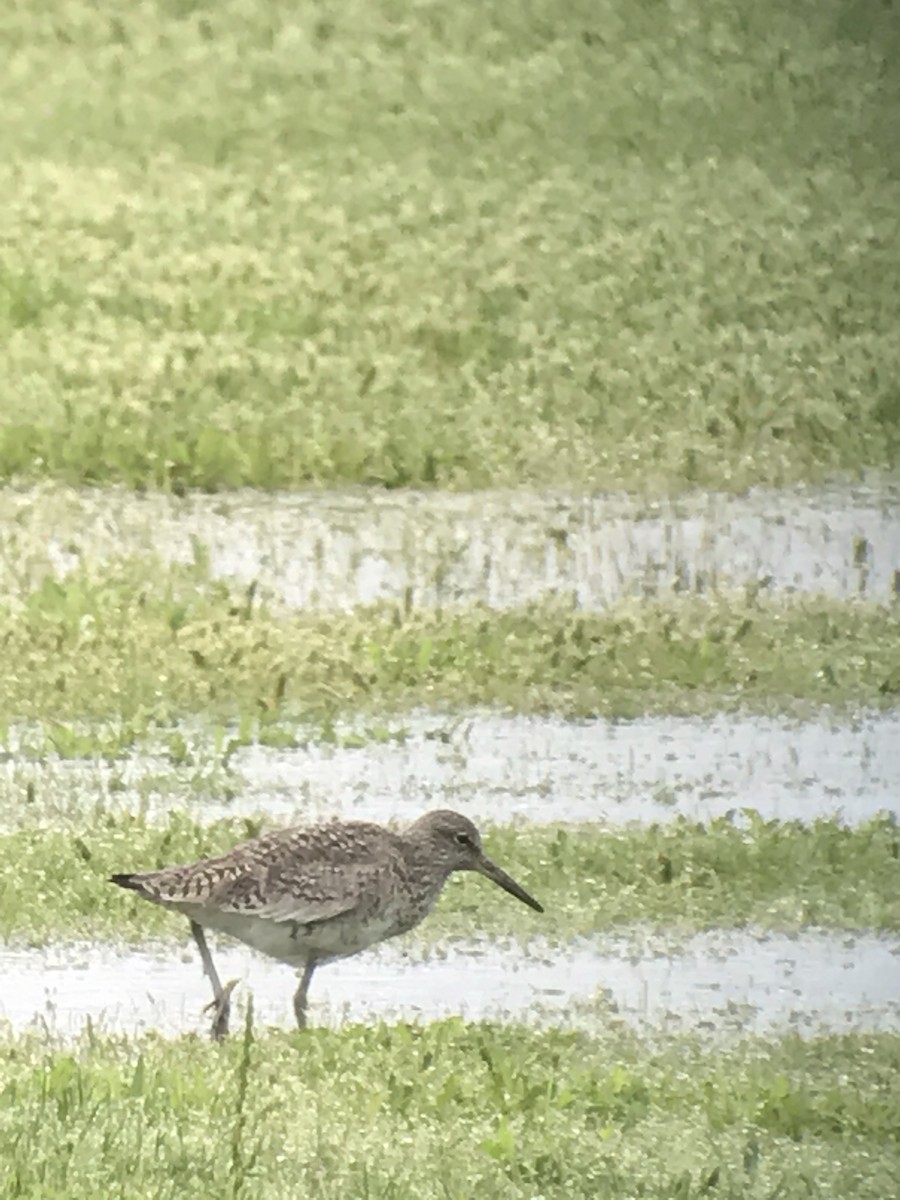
(548, 769)
(498, 768)
(331, 550)
(724, 981)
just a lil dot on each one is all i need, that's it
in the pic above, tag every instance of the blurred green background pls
(608, 244)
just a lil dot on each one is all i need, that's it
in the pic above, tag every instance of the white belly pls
(297, 944)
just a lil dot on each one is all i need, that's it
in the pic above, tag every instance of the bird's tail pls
(134, 882)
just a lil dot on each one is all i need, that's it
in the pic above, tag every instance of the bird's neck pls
(425, 880)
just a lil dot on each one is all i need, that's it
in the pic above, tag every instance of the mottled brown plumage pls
(308, 895)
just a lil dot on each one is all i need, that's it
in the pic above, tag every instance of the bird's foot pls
(221, 1010)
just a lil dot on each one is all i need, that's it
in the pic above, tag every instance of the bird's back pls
(323, 891)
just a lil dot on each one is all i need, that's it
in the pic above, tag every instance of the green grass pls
(449, 1111)
(146, 645)
(615, 244)
(783, 875)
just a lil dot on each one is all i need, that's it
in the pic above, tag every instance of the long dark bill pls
(500, 877)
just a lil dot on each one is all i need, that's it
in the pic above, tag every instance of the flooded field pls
(474, 267)
(333, 552)
(547, 770)
(339, 550)
(496, 768)
(725, 982)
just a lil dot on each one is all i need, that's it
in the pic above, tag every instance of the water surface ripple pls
(724, 981)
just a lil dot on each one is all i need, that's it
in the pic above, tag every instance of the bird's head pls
(452, 842)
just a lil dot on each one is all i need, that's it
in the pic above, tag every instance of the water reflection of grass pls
(459, 246)
(450, 1110)
(53, 882)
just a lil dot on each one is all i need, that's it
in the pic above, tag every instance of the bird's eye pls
(462, 838)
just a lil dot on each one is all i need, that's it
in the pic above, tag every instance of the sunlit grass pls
(650, 246)
(608, 245)
(449, 1110)
(783, 875)
(148, 645)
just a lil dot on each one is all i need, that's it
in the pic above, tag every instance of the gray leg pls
(221, 1005)
(300, 994)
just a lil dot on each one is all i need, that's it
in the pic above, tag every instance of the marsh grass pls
(448, 1110)
(614, 245)
(627, 245)
(147, 645)
(772, 874)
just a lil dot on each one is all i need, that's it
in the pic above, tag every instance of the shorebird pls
(309, 895)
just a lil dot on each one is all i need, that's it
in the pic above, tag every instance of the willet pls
(308, 895)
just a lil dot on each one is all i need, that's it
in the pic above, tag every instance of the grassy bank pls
(147, 645)
(624, 245)
(53, 882)
(449, 1110)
